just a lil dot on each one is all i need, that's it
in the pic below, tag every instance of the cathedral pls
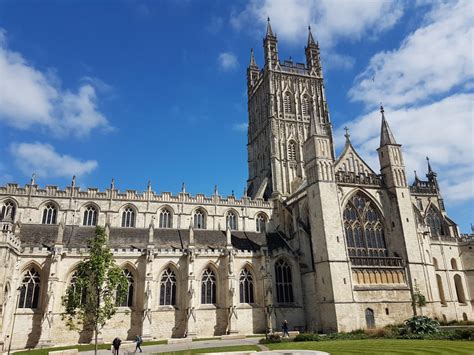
(320, 240)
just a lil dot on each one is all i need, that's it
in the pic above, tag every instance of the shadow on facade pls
(36, 328)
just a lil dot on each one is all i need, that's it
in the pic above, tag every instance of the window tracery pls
(291, 150)
(168, 288)
(199, 219)
(49, 214)
(125, 296)
(261, 222)
(8, 208)
(246, 286)
(128, 217)
(165, 218)
(30, 289)
(90, 216)
(363, 228)
(287, 107)
(284, 284)
(433, 221)
(208, 287)
(231, 220)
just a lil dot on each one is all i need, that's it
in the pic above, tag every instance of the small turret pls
(252, 71)
(270, 47)
(313, 60)
(386, 135)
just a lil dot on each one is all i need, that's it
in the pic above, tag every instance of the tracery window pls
(246, 286)
(49, 214)
(363, 227)
(231, 220)
(90, 216)
(287, 102)
(208, 287)
(168, 288)
(8, 208)
(30, 289)
(433, 221)
(284, 284)
(305, 105)
(78, 290)
(128, 217)
(261, 221)
(165, 218)
(125, 296)
(199, 219)
(291, 150)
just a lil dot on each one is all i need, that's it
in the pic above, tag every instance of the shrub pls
(308, 337)
(272, 338)
(421, 325)
(379, 333)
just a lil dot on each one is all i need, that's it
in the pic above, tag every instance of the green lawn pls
(214, 350)
(382, 346)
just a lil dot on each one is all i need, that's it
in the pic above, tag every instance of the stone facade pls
(322, 241)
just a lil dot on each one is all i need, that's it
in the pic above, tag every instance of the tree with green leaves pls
(94, 292)
(419, 300)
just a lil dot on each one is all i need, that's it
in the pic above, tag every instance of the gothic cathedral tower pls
(283, 98)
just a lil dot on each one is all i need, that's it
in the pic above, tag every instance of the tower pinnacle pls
(311, 41)
(253, 63)
(386, 135)
(269, 29)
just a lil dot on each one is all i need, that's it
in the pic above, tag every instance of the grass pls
(206, 339)
(222, 349)
(382, 346)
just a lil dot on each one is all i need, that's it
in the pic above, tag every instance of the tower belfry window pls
(291, 150)
(305, 105)
(433, 221)
(287, 102)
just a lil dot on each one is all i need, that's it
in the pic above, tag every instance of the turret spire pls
(311, 41)
(386, 135)
(253, 63)
(269, 29)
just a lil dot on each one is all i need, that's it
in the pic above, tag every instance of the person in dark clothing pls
(138, 341)
(284, 326)
(116, 345)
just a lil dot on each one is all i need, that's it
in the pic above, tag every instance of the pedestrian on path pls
(138, 341)
(116, 345)
(284, 326)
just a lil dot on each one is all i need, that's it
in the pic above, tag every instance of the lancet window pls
(284, 283)
(305, 105)
(8, 209)
(199, 219)
(208, 287)
(291, 150)
(30, 289)
(246, 286)
(287, 102)
(50, 213)
(364, 229)
(168, 288)
(125, 295)
(128, 217)
(165, 218)
(231, 220)
(433, 221)
(261, 222)
(90, 216)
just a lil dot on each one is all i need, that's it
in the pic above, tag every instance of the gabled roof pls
(350, 161)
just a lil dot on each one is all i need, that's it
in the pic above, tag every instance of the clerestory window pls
(49, 214)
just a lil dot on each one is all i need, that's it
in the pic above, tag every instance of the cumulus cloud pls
(30, 98)
(227, 61)
(332, 20)
(43, 160)
(432, 60)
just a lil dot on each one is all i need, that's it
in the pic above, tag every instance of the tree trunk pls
(96, 337)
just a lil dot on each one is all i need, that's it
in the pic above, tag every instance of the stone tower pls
(282, 99)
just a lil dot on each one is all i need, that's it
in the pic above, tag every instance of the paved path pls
(207, 344)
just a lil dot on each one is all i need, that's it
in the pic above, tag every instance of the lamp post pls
(14, 317)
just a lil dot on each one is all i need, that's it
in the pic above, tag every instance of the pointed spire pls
(269, 29)
(33, 179)
(149, 186)
(311, 41)
(216, 191)
(253, 63)
(112, 184)
(430, 171)
(183, 188)
(416, 177)
(386, 135)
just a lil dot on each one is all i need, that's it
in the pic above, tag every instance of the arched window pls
(284, 284)
(435, 263)
(261, 221)
(433, 221)
(370, 318)
(78, 290)
(442, 298)
(231, 220)
(168, 288)
(125, 296)
(246, 286)
(49, 214)
(454, 264)
(165, 218)
(208, 287)
(128, 217)
(305, 105)
(90, 216)
(8, 209)
(287, 106)
(199, 219)
(291, 150)
(30, 289)
(363, 228)
(459, 289)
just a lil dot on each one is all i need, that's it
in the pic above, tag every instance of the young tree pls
(419, 300)
(92, 296)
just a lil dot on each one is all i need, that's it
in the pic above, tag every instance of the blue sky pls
(156, 90)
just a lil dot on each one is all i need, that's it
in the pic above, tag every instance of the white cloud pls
(227, 61)
(442, 130)
(31, 98)
(331, 20)
(432, 60)
(44, 161)
(240, 127)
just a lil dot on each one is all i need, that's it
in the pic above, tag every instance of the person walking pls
(138, 341)
(116, 345)
(284, 326)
